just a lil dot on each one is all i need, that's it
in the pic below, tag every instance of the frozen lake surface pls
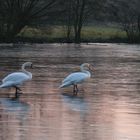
(107, 107)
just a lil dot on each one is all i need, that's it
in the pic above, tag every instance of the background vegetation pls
(70, 21)
(90, 33)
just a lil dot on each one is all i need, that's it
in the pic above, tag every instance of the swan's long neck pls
(25, 71)
(85, 71)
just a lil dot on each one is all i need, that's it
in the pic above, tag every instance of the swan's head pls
(87, 65)
(28, 64)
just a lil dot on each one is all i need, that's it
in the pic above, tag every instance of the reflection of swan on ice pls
(75, 103)
(16, 107)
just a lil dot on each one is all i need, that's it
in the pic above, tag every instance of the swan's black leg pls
(17, 93)
(75, 90)
(18, 88)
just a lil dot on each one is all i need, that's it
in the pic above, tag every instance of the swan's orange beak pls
(91, 67)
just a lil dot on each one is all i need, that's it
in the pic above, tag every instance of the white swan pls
(17, 78)
(77, 77)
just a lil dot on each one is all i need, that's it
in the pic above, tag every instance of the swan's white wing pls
(16, 77)
(74, 78)
(77, 76)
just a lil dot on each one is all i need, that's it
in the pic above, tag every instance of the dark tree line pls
(16, 14)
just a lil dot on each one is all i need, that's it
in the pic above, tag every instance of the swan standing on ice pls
(77, 77)
(17, 78)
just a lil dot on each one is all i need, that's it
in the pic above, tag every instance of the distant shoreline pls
(63, 40)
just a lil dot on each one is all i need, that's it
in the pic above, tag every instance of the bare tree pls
(127, 14)
(16, 14)
(76, 14)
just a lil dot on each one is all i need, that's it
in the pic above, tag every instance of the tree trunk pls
(68, 33)
(79, 20)
(13, 30)
(78, 34)
(139, 25)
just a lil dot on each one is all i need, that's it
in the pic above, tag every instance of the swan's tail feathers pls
(65, 84)
(5, 85)
(2, 86)
(61, 86)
